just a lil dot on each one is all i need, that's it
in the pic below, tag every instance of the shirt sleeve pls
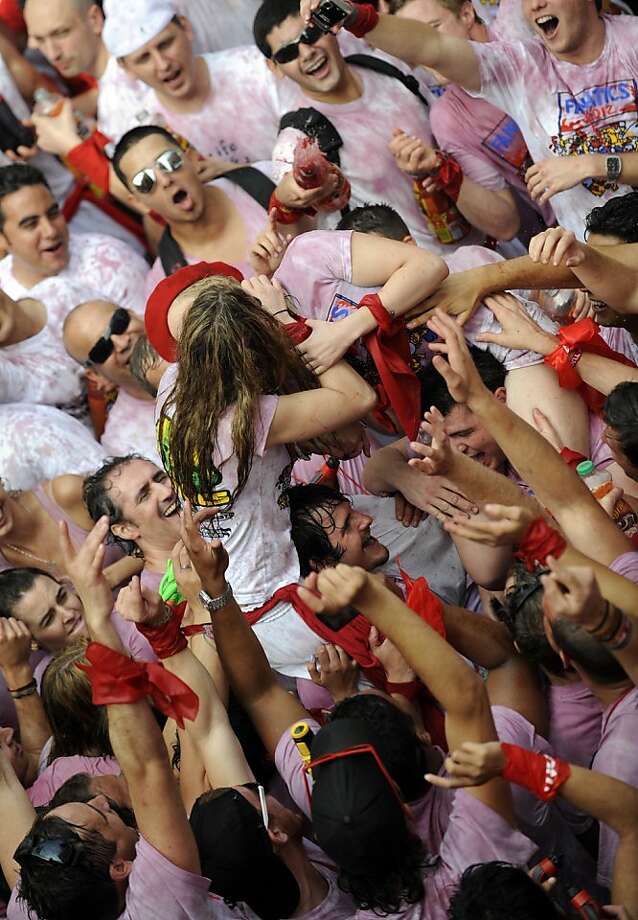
(159, 889)
(462, 144)
(627, 566)
(503, 68)
(291, 768)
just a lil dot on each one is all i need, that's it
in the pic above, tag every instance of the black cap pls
(356, 813)
(237, 856)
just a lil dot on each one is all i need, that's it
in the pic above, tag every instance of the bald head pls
(103, 326)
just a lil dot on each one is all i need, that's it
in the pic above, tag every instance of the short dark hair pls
(143, 358)
(522, 613)
(397, 743)
(588, 653)
(620, 411)
(17, 176)
(271, 14)
(307, 503)
(84, 889)
(376, 218)
(14, 584)
(130, 139)
(617, 217)
(98, 501)
(434, 391)
(499, 891)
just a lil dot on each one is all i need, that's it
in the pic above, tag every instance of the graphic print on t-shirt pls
(599, 119)
(506, 141)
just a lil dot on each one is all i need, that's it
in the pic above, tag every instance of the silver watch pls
(216, 603)
(613, 165)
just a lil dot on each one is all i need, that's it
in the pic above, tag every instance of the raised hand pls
(84, 567)
(437, 456)
(543, 425)
(270, 295)
(269, 248)
(459, 371)
(332, 590)
(572, 593)
(505, 525)
(406, 513)
(396, 668)
(553, 175)
(332, 668)
(140, 605)
(209, 559)
(325, 346)
(15, 644)
(412, 155)
(459, 295)
(518, 329)
(558, 247)
(470, 765)
(186, 577)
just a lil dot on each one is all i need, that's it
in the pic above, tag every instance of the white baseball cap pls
(129, 25)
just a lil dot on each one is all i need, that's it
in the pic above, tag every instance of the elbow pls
(506, 222)
(368, 401)
(431, 269)
(472, 693)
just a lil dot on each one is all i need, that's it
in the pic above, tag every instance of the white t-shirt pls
(566, 109)
(366, 127)
(120, 98)
(130, 428)
(231, 25)
(38, 370)
(99, 266)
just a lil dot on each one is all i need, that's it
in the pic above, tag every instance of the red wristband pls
(362, 20)
(286, 215)
(572, 457)
(166, 640)
(115, 678)
(539, 542)
(541, 774)
(564, 360)
(89, 160)
(449, 175)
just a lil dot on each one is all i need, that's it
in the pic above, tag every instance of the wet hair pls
(17, 176)
(78, 726)
(396, 741)
(143, 359)
(97, 498)
(271, 14)
(588, 653)
(230, 341)
(434, 391)
(620, 411)
(84, 889)
(522, 613)
(131, 139)
(14, 584)
(310, 506)
(376, 218)
(499, 891)
(77, 788)
(399, 884)
(617, 217)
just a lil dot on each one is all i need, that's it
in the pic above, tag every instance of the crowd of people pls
(318, 459)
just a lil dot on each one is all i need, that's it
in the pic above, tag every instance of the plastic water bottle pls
(558, 303)
(600, 483)
(48, 103)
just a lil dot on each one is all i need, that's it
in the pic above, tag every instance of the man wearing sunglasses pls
(101, 336)
(363, 106)
(47, 262)
(216, 221)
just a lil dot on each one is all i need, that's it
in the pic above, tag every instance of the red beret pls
(159, 303)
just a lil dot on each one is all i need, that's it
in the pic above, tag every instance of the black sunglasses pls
(103, 348)
(52, 850)
(290, 52)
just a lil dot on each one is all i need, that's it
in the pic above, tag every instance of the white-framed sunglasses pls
(169, 161)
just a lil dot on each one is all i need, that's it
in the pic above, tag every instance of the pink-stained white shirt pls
(63, 768)
(565, 109)
(130, 428)
(627, 566)
(255, 531)
(621, 341)
(253, 215)
(239, 121)
(232, 24)
(156, 888)
(616, 756)
(120, 98)
(99, 267)
(38, 370)
(366, 127)
(41, 442)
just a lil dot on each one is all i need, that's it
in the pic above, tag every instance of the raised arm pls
(18, 814)
(451, 681)
(271, 708)
(134, 733)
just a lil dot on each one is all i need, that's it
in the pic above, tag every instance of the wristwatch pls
(613, 165)
(216, 603)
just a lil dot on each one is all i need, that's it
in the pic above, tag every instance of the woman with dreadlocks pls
(226, 413)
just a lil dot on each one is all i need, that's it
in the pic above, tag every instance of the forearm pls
(451, 681)
(34, 726)
(18, 814)
(493, 212)
(121, 572)
(478, 638)
(613, 587)
(387, 470)
(604, 374)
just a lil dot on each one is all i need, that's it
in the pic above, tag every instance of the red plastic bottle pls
(443, 217)
(310, 169)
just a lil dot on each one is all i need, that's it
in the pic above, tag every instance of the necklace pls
(25, 552)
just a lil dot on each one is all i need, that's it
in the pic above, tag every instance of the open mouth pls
(171, 509)
(317, 67)
(54, 248)
(548, 25)
(179, 196)
(173, 78)
(368, 541)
